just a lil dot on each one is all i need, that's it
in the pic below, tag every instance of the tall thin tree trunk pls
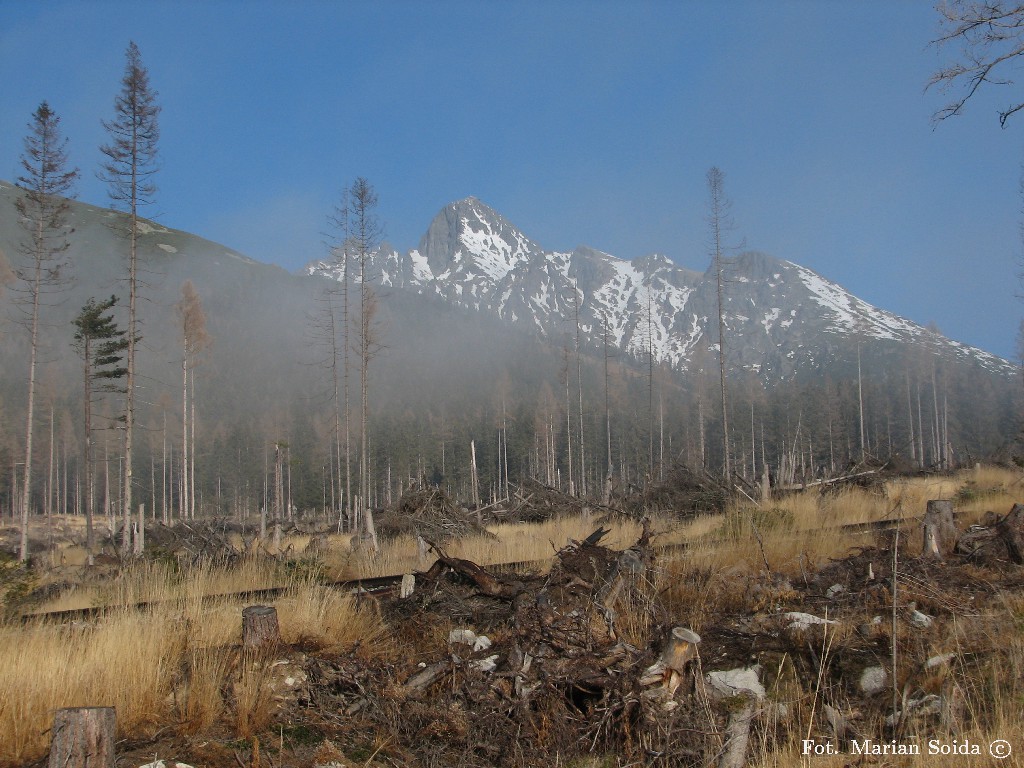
(568, 420)
(661, 434)
(474, 479)
(278, 482)
(920, 425)
(860, 405)
(107, 506)
(579, 382)
(129, 410)
(163, 475)
(353, 523)
(937, 428)
(90, 470)
(183, 495)
(607, 414)
(266, 500)
(50, 496)
(650, 385)
(152, 484)
(192, 447)
(910, 421)
(700, 427)
(26, 480)
(719, 220)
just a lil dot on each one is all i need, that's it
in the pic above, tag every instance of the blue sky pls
(582, 122)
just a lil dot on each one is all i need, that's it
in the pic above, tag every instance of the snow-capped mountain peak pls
(779, 317)
(469, 239)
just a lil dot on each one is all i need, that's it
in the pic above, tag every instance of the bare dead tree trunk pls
(568, 419)
(860, 406)
(90, 480)
(579, 383)
(650, 385)
(163, 477)
(183, 496)
(607, 420)
(474, 479)
(719, 219)
(192, 447)
(278, 481)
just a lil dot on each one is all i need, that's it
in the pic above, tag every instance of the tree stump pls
(679, 651)
(259, 627)
(938, 528)
(408, 586)
(83, 737)
(680, 648)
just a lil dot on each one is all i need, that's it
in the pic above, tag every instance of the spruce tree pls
(365, 236)
(43, 214)
(128, 168)
(101, 344)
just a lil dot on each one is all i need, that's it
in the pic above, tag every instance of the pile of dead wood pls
(533, 665)
(196, 541)
(682, 491)
(995, 539)
(535, 502)
(428, 513)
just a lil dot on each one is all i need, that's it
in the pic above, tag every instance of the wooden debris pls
(737, 732)
(424, 678)
(1009, 531)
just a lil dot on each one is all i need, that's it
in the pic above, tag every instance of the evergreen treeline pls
(918, 410)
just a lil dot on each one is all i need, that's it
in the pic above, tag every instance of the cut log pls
(83, 737)
(259, 627)
(938, 528)
(425, 677)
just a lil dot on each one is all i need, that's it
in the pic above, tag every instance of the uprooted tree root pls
(531, 667)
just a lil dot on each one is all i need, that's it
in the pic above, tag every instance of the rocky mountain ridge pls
(780, 318)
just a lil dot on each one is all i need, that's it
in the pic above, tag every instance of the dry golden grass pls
(169, 664)
(725, 571)
(127, 661)
(507, 543)
(160, 666)
(154, 582)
